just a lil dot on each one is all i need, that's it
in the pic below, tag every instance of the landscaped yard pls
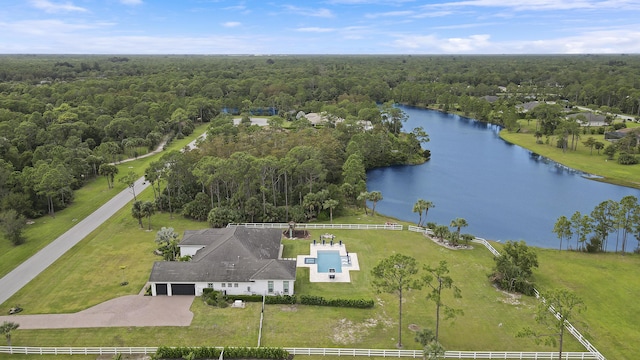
(95, 263)
(90, 273)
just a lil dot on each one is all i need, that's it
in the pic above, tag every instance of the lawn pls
(610, 287)
(95, 263)
(582, 159)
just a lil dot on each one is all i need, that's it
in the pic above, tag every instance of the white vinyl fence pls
(567, 324)
(388, 226)
(594, 354)
(310, 351)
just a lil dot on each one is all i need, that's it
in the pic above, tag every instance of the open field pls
(581, 159)
(94, 263)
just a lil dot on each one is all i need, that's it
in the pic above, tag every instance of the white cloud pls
(315, 29)
(321, 12)
(541, 5)
(231, 24)
(456, 45)
(389, 14)
(52, 7)
(131, 2)
(52, 27)
(601, 41)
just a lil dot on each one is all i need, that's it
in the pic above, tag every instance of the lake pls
(505, 192)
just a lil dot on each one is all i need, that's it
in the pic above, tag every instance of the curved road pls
(28, 270)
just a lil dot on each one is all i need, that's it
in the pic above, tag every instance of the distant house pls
(588, 118)
(528, 106)
(490, 98)
(321, 119)
(235, 260)
(614, 136)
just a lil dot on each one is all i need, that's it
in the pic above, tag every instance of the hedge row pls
(215, 298)
(320, 301)
(204, 352)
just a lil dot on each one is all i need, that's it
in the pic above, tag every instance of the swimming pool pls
(329, 259)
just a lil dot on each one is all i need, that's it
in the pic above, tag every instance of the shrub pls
(205, 352)
(627, 159)
(245, 298)
(351, 303)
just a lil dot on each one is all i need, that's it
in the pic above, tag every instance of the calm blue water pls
(504, 192)
(329, 259)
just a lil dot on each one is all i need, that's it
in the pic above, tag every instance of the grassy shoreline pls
(584, 160)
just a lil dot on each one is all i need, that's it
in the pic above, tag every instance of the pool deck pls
(341, 277)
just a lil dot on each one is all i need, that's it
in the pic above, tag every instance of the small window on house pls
(229, 285)
(223, 284)
(235, 285)
(285, 287)
(270, 287)
(210, 285)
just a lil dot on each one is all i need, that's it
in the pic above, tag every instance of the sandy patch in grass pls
(347, 332)
(509, 298)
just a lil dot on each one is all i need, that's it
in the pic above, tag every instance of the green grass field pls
(490, 322)
(95, 263)
(582, 159)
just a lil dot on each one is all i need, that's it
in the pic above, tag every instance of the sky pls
(319, 27)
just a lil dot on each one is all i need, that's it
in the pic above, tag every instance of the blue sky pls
(319, 27)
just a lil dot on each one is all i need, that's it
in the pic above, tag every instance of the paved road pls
(28, 270)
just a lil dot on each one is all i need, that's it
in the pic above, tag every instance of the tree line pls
(65, 119)
(593, 232)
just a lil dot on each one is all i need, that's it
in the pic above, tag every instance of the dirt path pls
(126, 311)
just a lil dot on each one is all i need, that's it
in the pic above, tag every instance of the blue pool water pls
(329, 259)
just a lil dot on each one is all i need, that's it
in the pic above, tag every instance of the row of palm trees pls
(441, 231)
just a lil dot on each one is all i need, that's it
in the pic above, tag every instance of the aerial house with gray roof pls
(236, 260)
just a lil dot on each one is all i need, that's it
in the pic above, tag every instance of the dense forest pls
(64, 119)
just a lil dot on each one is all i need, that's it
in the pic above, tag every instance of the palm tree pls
(417, 208)
(6, 328)
(420, 206)
(147, 209)
(458, 223)
(364, 196)
(426, 206)
(374, 197)
(441, 231)
(136, 212)
(330, 204)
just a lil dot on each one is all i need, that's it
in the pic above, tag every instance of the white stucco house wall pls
(235, 260)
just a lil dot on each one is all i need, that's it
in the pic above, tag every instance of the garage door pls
(161, 289)
(183, 289)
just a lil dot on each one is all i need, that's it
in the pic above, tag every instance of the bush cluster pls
(321, 301)
(215, 298)
(205, 352)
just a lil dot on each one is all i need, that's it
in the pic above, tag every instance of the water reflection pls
(504, 192)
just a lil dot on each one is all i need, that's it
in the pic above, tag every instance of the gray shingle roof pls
(235, 254)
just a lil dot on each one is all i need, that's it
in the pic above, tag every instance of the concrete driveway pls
(126, 311)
